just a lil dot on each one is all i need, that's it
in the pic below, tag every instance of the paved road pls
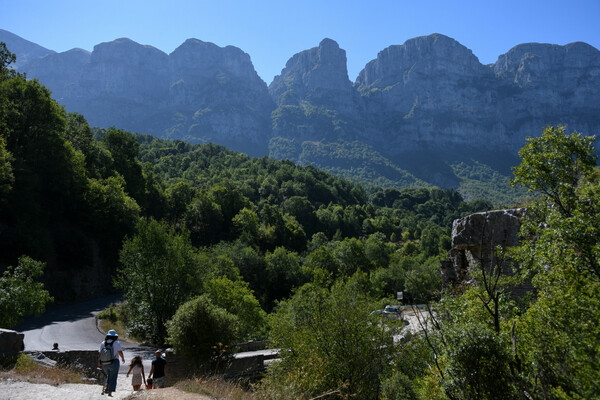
(74, 327)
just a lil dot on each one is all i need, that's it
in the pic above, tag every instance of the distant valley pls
(423, 113)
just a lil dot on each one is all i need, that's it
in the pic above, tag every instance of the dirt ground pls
(11, 389)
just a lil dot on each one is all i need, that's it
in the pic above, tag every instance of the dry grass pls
(111, 318)
(27, 370)
(106, 325)
(216, 388)
(166, 394)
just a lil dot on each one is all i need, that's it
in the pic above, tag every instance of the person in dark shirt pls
(157, 372)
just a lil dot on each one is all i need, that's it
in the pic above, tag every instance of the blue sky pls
(272, 31)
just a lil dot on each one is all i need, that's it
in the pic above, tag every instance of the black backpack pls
(107, 354)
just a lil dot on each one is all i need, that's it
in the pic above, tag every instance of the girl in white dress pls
(136, 369)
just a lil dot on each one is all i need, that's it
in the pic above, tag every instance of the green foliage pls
(20, 294)
(554, 163)
(397, 386)
(200, 329)
(24, 363)
(80, 135)
(478, 365)
(238, 299)
(560, 343)
(481, 182)
(111, 313)
(330, 342)
(159, 273)
(6, 171)
(6, 58)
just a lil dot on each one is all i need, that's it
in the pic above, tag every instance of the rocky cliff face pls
(315, 98)
(422, 105)
(433, 91)
(220, 95)
(200, 92)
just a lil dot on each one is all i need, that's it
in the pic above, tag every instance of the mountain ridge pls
(427, 98)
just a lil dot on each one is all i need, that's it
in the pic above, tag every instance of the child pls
(138, 372)
(149, 383)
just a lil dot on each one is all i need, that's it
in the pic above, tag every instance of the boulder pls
(11, 342)
(474, 242)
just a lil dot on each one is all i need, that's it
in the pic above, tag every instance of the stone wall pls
(84, 360)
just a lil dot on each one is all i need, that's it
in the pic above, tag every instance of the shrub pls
(200, 330)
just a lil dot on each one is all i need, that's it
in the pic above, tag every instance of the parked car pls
(393, 312)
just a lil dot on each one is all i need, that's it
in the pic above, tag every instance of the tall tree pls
(159, 273)
(20, 293)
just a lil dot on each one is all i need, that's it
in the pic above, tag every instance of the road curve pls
(74, 327)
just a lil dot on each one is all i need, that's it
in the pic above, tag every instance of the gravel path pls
(16, 390)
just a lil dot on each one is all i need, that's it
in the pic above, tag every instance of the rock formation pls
(315, 97)
(474, 242)
(11, 342)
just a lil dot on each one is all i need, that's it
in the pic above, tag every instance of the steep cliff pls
(427, 108)
(217, 96)
(200, 92)
(315, 98)
(433, 92)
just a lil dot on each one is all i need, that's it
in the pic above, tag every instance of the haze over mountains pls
(425, 112)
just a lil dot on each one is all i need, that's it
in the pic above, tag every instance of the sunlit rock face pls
(315, 98)
(433, 91)
(427, 99)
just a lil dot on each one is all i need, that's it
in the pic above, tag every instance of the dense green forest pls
(211, 247)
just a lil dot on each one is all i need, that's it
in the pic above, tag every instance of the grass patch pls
(27, 370)
(113, 317)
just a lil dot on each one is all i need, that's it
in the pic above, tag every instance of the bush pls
(200, 330)
(478, 349)
(397, 386)
(110, 313)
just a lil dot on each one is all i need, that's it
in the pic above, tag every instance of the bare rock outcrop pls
(11, 342)
(474, 242)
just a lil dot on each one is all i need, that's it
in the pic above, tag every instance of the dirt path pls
(18, 390)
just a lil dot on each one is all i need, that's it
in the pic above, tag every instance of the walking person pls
(108, 359)
(136, 368)
(157, 372)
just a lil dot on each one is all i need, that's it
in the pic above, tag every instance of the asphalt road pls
(74, 327)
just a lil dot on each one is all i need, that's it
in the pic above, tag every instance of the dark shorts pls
(159, 382)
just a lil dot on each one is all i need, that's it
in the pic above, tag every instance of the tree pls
(97, 159)
(237, 298)
(478, 365)
(559, 347)
(6, 58)
(159, 273)
(20, 294)
(554, 163)
(6, 172)
(282, 273)
(200, 330)
(124, 150)
(329, 342)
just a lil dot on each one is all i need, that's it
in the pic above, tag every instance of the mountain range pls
(426, 112)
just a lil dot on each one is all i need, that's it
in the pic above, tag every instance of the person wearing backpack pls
(108, 359)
